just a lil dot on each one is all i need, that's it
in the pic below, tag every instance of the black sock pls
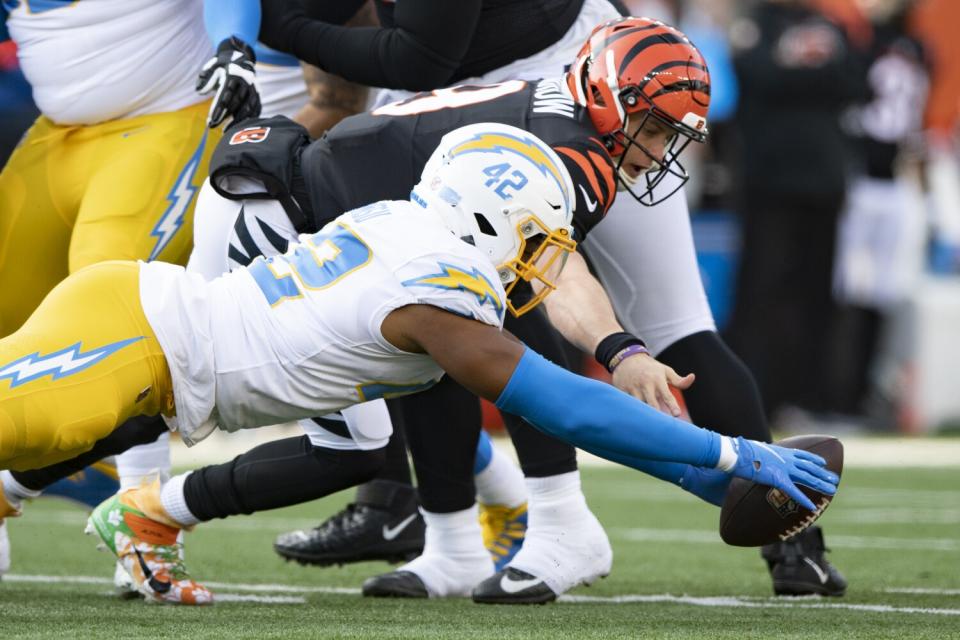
(442, 426)
(276, 474)
(724, 397)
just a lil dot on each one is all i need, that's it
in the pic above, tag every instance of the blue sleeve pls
(710, 485)
(225, 18)
(484, 453)
(4, 34)
(598, 418)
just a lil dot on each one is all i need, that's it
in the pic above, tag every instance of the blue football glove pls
(230, 73)
(781, 467)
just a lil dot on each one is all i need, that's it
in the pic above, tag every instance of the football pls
(754, 515)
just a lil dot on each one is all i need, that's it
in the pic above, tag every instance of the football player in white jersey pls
(110, 168)
(380, 302)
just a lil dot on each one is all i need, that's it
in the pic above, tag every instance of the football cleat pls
(503, 531)
(396, 584)
(88, 487)
(123, 584)
(149, 551)
(4, 549)
(553, 560)
(799, 566)
(383, 524)
(513, 586)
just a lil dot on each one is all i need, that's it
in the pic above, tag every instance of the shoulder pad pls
(266, 151)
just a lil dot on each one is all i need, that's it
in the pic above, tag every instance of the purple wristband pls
(623, 354)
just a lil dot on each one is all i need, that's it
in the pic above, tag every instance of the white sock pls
(14, 491)
(145, 462)
(501, 482)
(454, 559)
(175, 503)
(565, 544)
(556, 500)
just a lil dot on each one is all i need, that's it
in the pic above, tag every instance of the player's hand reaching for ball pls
(783, 468)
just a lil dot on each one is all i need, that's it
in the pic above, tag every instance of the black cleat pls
(396, 584)
(512, 586)
(383, 524)
(800, 568)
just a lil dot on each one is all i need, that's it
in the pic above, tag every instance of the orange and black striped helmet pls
(630, 65)
(642, 66)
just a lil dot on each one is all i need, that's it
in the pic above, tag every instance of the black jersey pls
(380, 155)
(505, 30)
(421, 44)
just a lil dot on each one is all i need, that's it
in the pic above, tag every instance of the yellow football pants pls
(71, 196)
(81, 365)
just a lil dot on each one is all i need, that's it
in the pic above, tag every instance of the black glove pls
(231, 74)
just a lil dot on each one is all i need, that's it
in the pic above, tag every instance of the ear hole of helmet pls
(597, 96)
(485, 227)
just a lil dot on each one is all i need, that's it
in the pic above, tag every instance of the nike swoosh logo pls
(820, 572)
(158, 586)
(391, 533)
(591, 204)
(513, 586)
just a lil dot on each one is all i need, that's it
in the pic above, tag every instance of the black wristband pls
(614, 344)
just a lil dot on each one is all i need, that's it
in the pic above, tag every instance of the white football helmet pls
(506, 192)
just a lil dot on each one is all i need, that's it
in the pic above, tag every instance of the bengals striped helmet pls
(641, 66)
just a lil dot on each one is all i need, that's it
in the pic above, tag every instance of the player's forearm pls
(579, 308)
(331, 100)
(412, 54)
(600, 419)
(710, 485)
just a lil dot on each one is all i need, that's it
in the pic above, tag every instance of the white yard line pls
(923, 591)
(233, 597)
(707, 601)
(733, 601)
(697, 536)
(229, 586)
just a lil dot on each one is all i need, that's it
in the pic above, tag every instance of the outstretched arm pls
(588, 414)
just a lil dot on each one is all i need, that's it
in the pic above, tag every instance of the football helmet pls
(506, 192)
(634, 70)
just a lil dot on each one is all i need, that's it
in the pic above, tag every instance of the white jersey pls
(89, 61)
(298, 335)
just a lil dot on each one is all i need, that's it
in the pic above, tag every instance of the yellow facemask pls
(539, 261)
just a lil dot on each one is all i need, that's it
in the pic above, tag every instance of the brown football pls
(754, 515)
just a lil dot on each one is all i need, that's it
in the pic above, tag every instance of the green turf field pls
(896, 535)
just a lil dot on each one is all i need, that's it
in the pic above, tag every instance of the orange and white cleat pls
(150, 551)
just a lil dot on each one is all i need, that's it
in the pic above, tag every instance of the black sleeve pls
(420, 52)
(332, 11)
(594, 181)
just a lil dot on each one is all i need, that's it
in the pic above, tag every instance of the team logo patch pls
(457, 278)
(784, 505)
(58, 364)
(250, 134)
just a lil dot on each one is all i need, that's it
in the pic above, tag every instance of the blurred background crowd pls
(826, 202)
